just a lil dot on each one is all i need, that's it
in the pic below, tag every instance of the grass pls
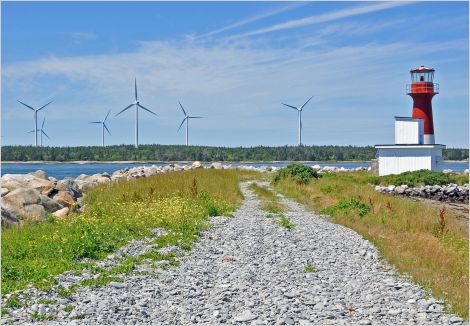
(418, 238)
(421, 177)
(285, 222)
(270, 201)
(45, 301)
(310, 269)
(68, 308)
(116, 213)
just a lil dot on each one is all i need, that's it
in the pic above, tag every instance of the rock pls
(23, 203)
(466, 171)
(246, 315)
(447, 171)
(69, 185)
(289, 321)
(196, 165)
(365, 322)
(316, 167)
(61, 213)
(454, 320)
(49, 204)
(216, 165)
(65, 199)
(40, 174)
(8, 220)
(400, 190)
(4, 191)
(394, 312)
(391, 188)
(117, 285)
(16, 181)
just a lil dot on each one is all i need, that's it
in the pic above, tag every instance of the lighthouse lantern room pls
(414, 147)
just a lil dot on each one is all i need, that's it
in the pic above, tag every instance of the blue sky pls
(233, 63)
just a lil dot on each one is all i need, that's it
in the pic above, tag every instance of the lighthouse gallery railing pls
(422, 88)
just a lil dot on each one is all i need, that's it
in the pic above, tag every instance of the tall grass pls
(270, 202)
(422, 240)
(114, 214)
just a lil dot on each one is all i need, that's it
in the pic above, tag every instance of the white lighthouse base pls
(428, 139)
(396, 159)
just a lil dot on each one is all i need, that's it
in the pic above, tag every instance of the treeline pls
(200, 153)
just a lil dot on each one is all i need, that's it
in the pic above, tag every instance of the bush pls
(416, 178)
(347, 205)
(302, 174)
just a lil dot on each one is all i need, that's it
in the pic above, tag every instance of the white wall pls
(409, 131)
(399, 160)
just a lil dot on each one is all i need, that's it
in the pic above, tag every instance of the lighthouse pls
(422, 89)
(414, 147)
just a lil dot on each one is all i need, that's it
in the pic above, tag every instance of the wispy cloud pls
(80, 37)
(322, 18)
(253, 19)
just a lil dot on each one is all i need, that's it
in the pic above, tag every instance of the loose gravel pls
(248, 269)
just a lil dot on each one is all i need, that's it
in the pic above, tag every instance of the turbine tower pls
(299, 113)
(137, 106)
(186, 118)
(35, 119)
(42, 132)
(103, 127)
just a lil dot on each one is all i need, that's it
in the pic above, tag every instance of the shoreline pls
(188, 162)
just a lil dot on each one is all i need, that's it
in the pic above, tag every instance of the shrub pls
(347, 205)
(302, 174)
(415, 178)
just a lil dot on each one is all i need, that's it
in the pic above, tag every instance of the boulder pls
(16, 181)
(447, 171)
(49, 204)
(196, 165)
(466, 171)
(391, 188)
(316, 167)
(61, 213)
(69, 185)
(4, 191)
(65, 199)
(8, 220)
(23, 203)
(216, 165)
(40, 174)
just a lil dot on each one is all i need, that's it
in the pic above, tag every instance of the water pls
(61, 170)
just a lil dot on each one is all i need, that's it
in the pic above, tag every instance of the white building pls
(409, 153)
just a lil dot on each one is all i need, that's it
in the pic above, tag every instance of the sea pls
(73, 170)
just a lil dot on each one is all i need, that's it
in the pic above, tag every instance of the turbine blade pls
(181, 124)
(135, 84)
(195, 117)
(45, 134)
(292, 107)
(183, 109)
(26, 105)
(140, 106)
(127, 107)
(104, 125)
(95, 122)
(43, 121)
(30, 131)
(306, 103)
(42, 107)
(106, 116)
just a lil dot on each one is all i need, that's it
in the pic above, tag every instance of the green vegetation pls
(116, 213)
(271, 202)
(310, 269)
(38, 316)
(13, 302)
(68, 308)
(298, 172)
(45, 301)
(417, 178)
(346, 206)
(420, 239)
(200, 153)
(285, 222)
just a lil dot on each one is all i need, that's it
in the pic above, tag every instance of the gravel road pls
(248, 269)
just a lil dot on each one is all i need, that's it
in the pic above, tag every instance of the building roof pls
(421, 69)
(410, 146)
(408, 118)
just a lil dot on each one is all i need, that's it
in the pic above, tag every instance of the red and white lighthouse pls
(422, 89)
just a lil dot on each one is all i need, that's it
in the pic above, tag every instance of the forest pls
(200, 153)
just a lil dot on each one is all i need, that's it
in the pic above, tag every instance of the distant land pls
(167, 153)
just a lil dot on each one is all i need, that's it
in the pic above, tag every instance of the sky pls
(233, 63)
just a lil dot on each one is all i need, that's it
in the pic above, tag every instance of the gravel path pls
(250, 270)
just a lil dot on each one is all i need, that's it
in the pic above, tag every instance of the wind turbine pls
(41, 130)
(186, 118)
(299, 113)
(137, 106)
(35, 119)
(103, 127)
